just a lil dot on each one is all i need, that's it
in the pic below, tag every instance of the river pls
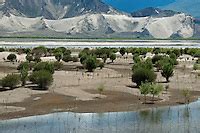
(100, 43)
(175, 119)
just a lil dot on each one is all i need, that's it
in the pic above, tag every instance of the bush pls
(58, 56)
(141, 75)
(156, 58)
(2, 49)
(40, 51)
(42, 78)
(83, 58)
(101, 65)
(44, 66)
(11, 81)
(196, 66)
(29, 58)
(74, 59)
(57, 65)
(144, 64)
(90, 63)
(24, 65)
(136, 58)
(11, 57)
(67, 58)
(23, 75)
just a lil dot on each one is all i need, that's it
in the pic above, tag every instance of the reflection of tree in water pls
(145, 114)
(186, 118)
(156, 116)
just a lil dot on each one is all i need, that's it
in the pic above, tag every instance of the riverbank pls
(114, 102)
(76, 91)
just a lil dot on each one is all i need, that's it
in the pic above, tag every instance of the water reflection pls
(179, 119)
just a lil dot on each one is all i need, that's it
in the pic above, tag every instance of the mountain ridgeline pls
(90, 18)
(54, 9)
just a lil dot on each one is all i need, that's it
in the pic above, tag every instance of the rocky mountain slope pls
(54, 9)
(154, 12)
(89, 18)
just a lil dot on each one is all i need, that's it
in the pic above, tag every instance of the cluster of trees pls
(90, 58)
(150, 88)
(41, 74)
(144, 75)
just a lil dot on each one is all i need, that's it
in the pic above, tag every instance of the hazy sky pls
(132, 5)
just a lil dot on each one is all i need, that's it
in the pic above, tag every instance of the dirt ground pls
(76, 90)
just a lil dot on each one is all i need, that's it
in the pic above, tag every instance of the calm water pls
(178, 119)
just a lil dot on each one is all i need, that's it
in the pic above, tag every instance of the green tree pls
(167, 71)
(42, 78)
(104, 57)
(11, 81)
(44, 66)
(11, 57)
(113, 57)
(145, 89)
(122, 51)
(141, 75)
(156, 89)
(90, 63)
(39, 51)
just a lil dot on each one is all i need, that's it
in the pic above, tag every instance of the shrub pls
(145, 89)
(11, 57)
(29, 58)
(42, 78)
(136, 58)
(24, 65)
(44, 66)
(101, 89)
(74, 59)
(39, 51)
(11, 81)
(196, 66)
(90, 63)
(2, 49)
(167, 71)
(156, 58)
(156, 89)
(141, 75)
(67, 58)
(83, 58)
(23, 75)
(57, 65)
(58, 56)
(101, 65)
